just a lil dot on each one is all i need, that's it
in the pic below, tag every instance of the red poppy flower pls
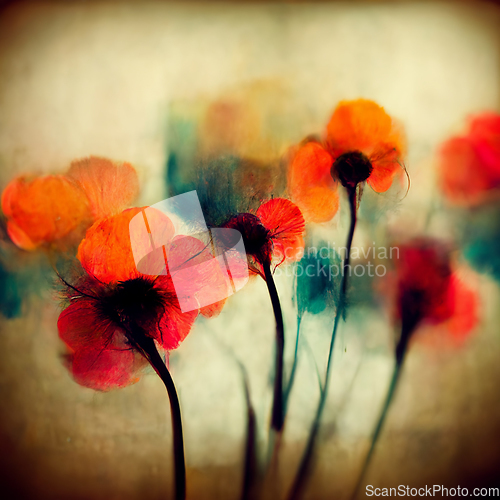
(470, 164)
(274, 233)
(112, 300)
(56, 209)
(429, 291)
(362, 143)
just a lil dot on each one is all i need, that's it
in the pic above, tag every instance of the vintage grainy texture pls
(163, 86)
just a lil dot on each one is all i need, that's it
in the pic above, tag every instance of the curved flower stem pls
(277, 417)
(148, 349)
(301, 476)
(407, 327)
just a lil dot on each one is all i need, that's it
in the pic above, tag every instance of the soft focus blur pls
(120, 80)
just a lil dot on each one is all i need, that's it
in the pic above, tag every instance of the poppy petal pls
(80, 326)
(462, 176)
(310, 183)
(174, 325)
(385, 165)
(213, 310)
(99, 356)
(465, 309)
(44, 210)
(286, 224)
(106, 251)
(358, 125)
(106, 369)
(200, 279)
(109, 186)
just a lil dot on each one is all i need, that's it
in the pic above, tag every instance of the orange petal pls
(19, 237)
(310, 184)
(106, 252)
(213, 310)
(110, 186)
(361, 125)
(43, 210)
(385, 167)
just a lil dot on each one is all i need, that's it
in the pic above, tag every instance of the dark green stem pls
(277, 418)
(305, 463)
(147, 347)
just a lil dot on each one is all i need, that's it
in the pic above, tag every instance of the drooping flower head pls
(362, 143)
(469, 165)
(273, 234)
(55, 210)
(111, 300)
(428, 290)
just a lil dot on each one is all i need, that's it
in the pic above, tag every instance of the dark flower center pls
(134, 301)
(256, 238)
(351, 168)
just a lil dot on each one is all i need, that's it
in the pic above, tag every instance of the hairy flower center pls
(134, 301)
(256, 237)
(351, 168)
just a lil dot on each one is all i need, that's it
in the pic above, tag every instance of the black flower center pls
(256, 238)
(351, 168)
(134, 301)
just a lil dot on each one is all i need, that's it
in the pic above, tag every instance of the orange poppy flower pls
(43, 210)
(56, 209)
(362, 143)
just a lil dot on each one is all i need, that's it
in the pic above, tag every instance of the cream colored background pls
(81, 78)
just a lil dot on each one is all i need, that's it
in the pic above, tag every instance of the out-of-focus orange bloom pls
(362, 143)
(43, 210)
(469, 165)
(109, 186)
(55, 210)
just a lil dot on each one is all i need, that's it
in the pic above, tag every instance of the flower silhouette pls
(362, 143)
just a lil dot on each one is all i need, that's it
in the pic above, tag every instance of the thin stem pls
(289, 386)
(347, 259)
(148, 348)
(378, 428)
(250, 467)
(409, 323)
(302, 473)
(277, 418)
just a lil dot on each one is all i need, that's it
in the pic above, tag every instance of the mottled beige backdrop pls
(81, 77)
